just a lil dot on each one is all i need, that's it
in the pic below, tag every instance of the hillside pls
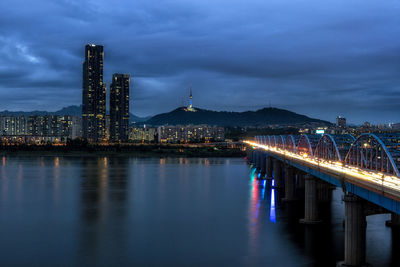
(262, 117)
(70, 110)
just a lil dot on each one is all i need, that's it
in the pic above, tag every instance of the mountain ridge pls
(261, 117)
(180, 116)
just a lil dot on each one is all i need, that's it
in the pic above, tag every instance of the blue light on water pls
(263, 190)
(257, 210)
(273, 182)
(272, 216)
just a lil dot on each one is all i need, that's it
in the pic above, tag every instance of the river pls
(130, 211)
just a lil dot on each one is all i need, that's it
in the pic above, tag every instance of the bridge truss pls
(373, 152)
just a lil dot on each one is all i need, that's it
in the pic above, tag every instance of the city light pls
(384, 180)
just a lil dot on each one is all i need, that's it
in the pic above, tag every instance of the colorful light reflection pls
(272, 215)
(380, 179)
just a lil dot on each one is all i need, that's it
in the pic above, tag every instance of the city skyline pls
(318, 63)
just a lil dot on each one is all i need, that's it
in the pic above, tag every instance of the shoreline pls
(120, 150)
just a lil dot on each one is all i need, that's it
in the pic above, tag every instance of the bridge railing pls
(373, 152)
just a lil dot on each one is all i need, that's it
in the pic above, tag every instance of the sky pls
(318, 58)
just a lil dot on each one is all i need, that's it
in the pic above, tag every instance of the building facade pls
(190, 134)
(57, 127)
(10, 125)
(119, 108)
(341, 122)
(144, 135)
(93, 94)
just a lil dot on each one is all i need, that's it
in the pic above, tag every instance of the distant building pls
(70, 127)
(144, 135)
(36, 125)
(119, 107)
(57, 127)
(190, 133)
(76, 127)
(93, 94)
(10, 125)
(367, 124)
(341, 122)
(395, 126)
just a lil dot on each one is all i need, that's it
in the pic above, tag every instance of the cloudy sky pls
(319, 58)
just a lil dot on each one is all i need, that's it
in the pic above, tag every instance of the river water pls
(128, 211)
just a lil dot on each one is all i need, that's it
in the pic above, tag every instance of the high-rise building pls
(93, 94)
(119, 107)
(341, 122)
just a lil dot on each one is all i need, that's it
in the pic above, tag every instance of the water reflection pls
(104, 195)
(194, 161)
(259, 196)
(127, 211)
(272, 215)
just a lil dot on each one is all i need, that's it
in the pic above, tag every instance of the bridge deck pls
(377, 187)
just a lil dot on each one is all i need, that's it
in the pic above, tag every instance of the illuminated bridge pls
(366, 168)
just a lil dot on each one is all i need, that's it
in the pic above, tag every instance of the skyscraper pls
(119, 107)
(341, 122)
(93, 94)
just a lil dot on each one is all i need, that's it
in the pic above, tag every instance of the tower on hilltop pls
(190, 107)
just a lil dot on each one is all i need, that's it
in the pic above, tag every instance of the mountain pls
(262, 117)
(70, 110)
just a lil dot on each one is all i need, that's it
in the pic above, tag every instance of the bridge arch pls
(280, 141)
(376, 152)
(291, 142)
(333, 147)
(272, 140)
(307, 144)
(262, 139)
(266, 140)
(269, 141)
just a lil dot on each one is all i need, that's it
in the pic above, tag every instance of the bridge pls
(366, 168)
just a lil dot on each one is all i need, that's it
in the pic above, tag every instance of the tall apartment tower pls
(340, 122)
(119, 107)
(93, 94)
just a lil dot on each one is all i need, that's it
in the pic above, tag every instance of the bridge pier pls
(278, 173)
(324, 192)
(255, 160)
(289, 184)
(259, 161)
(262, 165)
(311, 205)
(355, 231)
(268, 163)
(300, 180)
(254, 157)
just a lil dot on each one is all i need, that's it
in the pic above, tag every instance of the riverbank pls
(140, 150)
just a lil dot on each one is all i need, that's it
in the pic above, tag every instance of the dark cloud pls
(322, 59)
